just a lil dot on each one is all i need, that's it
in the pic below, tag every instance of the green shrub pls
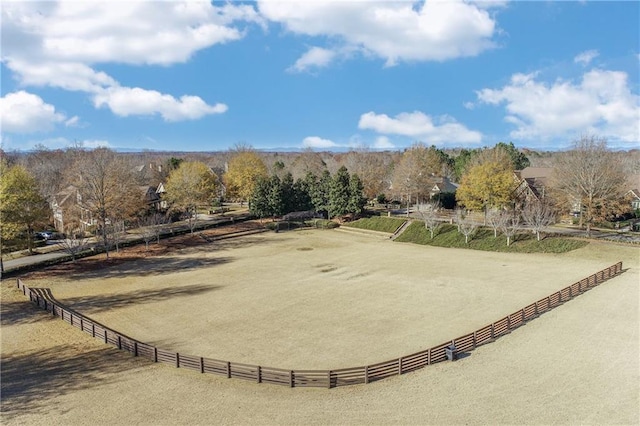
(322, 223)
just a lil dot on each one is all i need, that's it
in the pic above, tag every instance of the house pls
(442, 185)
(67, 206)
(152, 197)
(531, 184)
(162, 204)
(634, 197)
(62, 205)
(633, 191)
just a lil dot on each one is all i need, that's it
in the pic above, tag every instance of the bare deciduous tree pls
(75, 240)
(493, 218)
(537, 215)
(510, 224)
(107, 187)
(116, 234)
(412, 174)
(467, 226)
(370, 168)
(589, 177)
(429, 214)
(146, 229)
(74, 244)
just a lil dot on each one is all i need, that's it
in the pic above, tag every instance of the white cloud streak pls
(317, 142)
(586, 57)
(126, 101)
(441, 130)
(316, 57)
(601, 103)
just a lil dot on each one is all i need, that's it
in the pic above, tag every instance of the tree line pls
(109, 186)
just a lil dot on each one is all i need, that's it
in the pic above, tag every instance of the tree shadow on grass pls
(242, 241)
(95, 304)
(19, 312)
(144, 267)
(30, 380)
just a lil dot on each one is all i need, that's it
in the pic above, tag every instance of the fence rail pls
(43, 298)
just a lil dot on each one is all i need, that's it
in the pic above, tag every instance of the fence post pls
(177, 360)
(81, 324)
(523, 315)
(155, 354)
(366, 374)
(474, 339)
(399, 366)
(291, 378)
(429, 352)
(106, 340)
(93, 330)
(119, 339)
(259, 374)
(135, 348)
(493, 333)
(228, 370)
(202, 365)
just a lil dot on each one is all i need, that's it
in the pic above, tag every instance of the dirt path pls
(576, 364)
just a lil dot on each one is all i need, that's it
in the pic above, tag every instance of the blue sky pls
(329, 75)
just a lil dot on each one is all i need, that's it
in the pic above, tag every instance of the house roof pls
(445, 186)
(535, 173)
(635, 193)
(65, 195)
(633, 181)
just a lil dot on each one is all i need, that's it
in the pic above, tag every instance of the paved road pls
(28, 260)
(205, 221)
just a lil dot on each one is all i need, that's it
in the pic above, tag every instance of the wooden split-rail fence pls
(317, 378)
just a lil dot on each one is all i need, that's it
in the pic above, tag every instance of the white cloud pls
(586, 57)
(318, 143)
(91, 144)
(72, 122)
(58, 44)
(394, 31)
(316, 57)
(134, 32)
(23, 112)
(65, 75)
(443, 129)
(125, 101)
(383, 142)
(601, 103)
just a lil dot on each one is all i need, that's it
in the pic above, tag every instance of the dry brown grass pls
(324, 299)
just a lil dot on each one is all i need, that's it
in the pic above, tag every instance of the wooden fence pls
(317, 378)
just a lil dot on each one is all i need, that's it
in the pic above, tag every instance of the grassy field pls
(325, 299)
